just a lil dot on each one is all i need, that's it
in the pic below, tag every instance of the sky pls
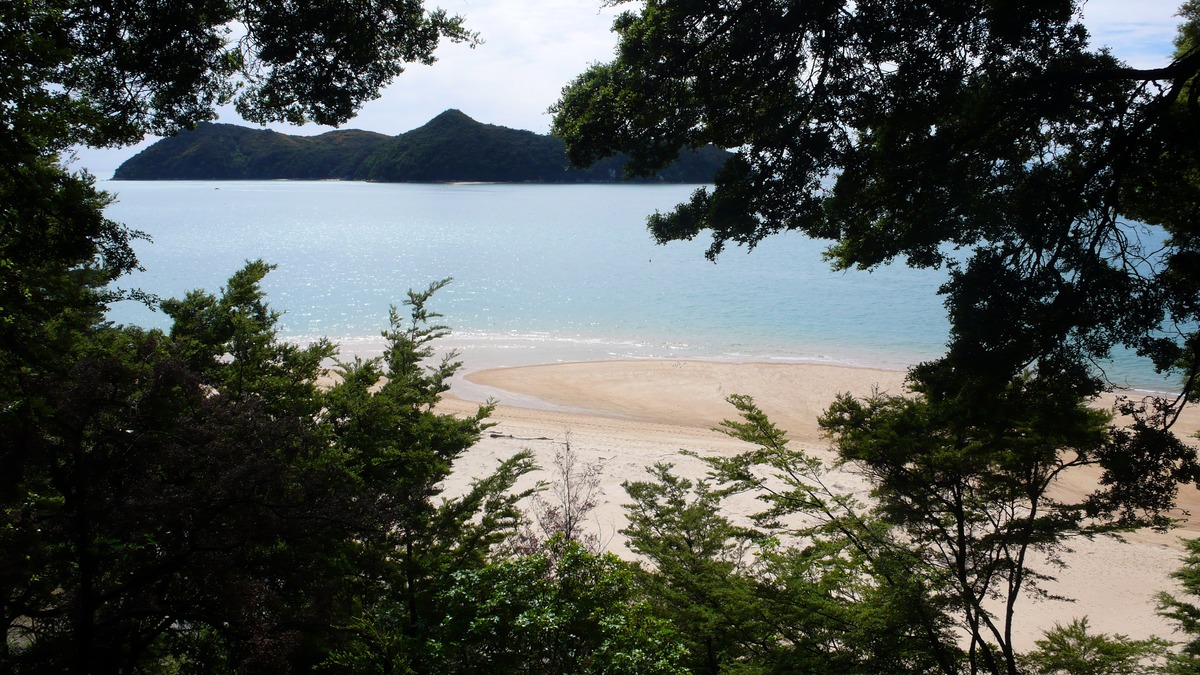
(532, 48)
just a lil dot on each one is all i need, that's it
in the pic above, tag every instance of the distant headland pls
(451, 147)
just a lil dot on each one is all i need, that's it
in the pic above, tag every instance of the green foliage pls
(562, 610)
(450, 147)
(985, 137)
(1072, 650)
(971, 491)
(231, 343)
(60, 255)
(877, 609)
(699, 580)
(827, 589)
(1183, 612)
(154, 516)
(107, 77)
(195, 499)
(401, 451)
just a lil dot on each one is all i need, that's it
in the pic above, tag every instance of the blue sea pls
(541, 274)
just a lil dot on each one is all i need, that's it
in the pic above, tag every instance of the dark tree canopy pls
(179, 503)
(987, 136)
(1058, 186)
(105, 74)
(109, 72)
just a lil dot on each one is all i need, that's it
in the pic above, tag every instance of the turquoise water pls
(542, 273)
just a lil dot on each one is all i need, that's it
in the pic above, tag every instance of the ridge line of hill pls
(452, 147)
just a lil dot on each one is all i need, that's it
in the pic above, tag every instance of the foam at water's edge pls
(483, 351)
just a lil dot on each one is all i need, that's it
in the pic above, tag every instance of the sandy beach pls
(627, 415)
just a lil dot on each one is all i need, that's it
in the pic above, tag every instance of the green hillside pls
(450, 147)
(229, 152)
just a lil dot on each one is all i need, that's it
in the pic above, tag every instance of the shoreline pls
(500, 351)
(689, 393)
(627, 415)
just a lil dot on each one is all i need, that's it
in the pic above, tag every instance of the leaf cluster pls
(562, 610)
(80, 73)
(1058, 185)
(1072, 650)
(815, 585)
(196, 498)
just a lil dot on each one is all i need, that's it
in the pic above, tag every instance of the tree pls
(576, 491)
(1183, 612)
(841, 582)
(983, 136)
(814, 586)
(152, 511)
(400, 452)
(699, 578)
(974, 496)
(561, 610)
(99, 75)
(1058, 186)
(157, 516)
(1072, 650)
(196, 499)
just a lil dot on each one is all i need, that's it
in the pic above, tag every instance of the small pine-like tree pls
(1074, 650)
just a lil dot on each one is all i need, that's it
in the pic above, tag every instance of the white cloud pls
(530, 50)
(1140, 32)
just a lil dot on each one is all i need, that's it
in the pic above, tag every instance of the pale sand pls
(630, 414)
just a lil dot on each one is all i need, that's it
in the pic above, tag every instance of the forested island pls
(451, 147)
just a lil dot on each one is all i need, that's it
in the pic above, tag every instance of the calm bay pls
(542, 273)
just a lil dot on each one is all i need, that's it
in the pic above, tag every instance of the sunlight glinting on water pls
(542, 273)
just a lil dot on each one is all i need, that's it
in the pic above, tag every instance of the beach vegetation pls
(921, 575)
(1181, 609)
(836, 573)
(974, 499)
(562, 609)
(196, 498)
(696, 568)
(1074, 650)
(814, 582)
(401, 451)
